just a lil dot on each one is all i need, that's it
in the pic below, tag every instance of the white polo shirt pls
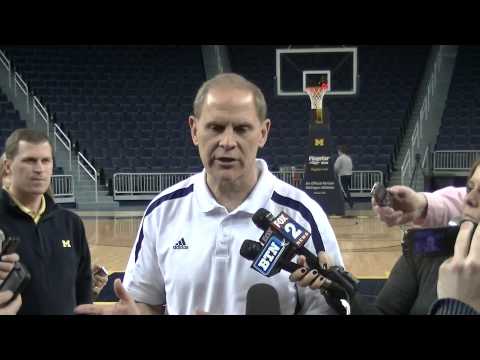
(187, 251)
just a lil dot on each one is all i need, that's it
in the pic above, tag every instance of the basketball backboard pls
(298, 68)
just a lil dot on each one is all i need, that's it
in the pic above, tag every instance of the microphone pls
(263, 218)
(288, 229)
(283, 237)
(251, 249)
(262, 299)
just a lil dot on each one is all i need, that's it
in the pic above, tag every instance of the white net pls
(316, 94)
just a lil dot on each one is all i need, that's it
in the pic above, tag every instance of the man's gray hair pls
(233, 81)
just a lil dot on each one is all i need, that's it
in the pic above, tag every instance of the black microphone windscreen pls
(250, 249)
(262, 299)
(262, 218)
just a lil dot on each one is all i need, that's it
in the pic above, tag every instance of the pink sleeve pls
(443, 205)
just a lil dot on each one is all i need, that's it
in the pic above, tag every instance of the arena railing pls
(8, 67)
(22, 85)
(64, 140)
(40, 112)
(426, 158)
(362, 182)
(62, 188)
(145, 186)
(454, 160)
(417, 141)
(91, 172)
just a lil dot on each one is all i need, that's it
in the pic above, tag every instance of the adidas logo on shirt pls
(180, 245)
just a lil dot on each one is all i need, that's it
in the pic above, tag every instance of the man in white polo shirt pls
(187, 252)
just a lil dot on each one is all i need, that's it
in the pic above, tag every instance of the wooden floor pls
(369, 248)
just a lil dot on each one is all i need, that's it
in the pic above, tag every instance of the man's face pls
(228, 134)
(30, 171)
(471, 209)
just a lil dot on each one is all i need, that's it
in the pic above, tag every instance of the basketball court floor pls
(369, 247)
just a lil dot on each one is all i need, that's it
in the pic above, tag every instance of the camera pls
(101, 271)
(9, 246)
(430, 241)
(381, 195)
(8, 243)
(17, 280)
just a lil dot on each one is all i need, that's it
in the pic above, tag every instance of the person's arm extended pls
(442, 206)
(423, 209)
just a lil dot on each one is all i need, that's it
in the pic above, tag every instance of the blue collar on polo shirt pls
(257, 198)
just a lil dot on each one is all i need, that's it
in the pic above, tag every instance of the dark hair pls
(343, 148)
(11, 147)
(234, 81)
(27, 135)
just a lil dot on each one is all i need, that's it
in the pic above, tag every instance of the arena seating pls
(371, 123)
(10, 119)
(460, 129)
(128, 106)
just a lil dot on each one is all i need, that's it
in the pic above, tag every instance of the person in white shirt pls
(187, 253)
(343, 170)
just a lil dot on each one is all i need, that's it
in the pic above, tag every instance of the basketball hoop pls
(316, 94)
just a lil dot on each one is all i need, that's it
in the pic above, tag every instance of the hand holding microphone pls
(306, 277)
(331, 290)
(252, 250)
(282, 239)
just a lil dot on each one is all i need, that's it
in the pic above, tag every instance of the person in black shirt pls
(52, 245)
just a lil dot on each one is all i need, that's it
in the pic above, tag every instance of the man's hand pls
(408, 206)
(11, 308)
(126, 305)
(6, 264)
(459, 276)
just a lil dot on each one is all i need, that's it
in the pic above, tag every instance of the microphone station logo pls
(291, 230)
(271, 253)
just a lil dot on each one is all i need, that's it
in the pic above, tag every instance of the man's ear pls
(265, 130)
(7, 166)
(192, 122)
